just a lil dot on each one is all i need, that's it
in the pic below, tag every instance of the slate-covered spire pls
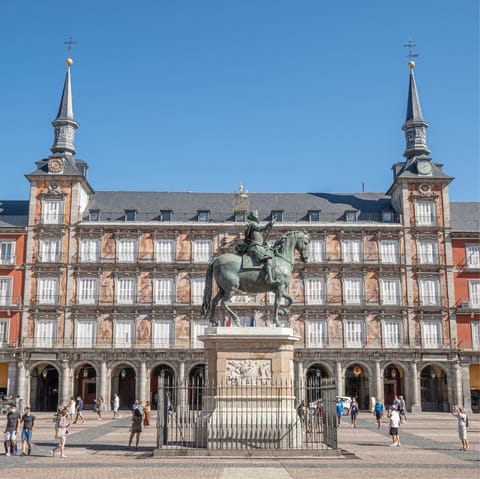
(415, 127)
(64, 124)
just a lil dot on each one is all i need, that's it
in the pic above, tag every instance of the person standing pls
(136, 405)
(116, 406)
(462, 426)
(99, 407)
(146, 414)
(135, 427)
(61, 431)
(28, 422)
(354, 412)
(339, 406)
(79, 410)
(11, 429)
(402, 407)
(378, 412)
(71, 408)
(394, 426)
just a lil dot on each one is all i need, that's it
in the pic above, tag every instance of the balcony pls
(10, 302)
(7, 261)
(52, 219)
(49, 258)
(427, 260)
(468, 306)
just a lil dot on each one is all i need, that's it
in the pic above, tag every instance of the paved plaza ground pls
(97, 449)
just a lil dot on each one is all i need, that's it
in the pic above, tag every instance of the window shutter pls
(389, 251)
(473, 256)
(162, 334)
(164, 291)
(164, 251)
(316, 251)
(5, 291)
(474, 291)
(317, 334)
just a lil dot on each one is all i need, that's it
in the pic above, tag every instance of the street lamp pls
(123, 373)
(393, 373)
(432, 374)
(44, 373)
(85, 372)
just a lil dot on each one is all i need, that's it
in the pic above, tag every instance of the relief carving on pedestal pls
(249, 371)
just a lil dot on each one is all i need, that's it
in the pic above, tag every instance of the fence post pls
(162, 431)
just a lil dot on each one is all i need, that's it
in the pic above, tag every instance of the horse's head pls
(303, 240)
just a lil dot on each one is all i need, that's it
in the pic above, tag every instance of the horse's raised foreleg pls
(215, 301)
(225, 298)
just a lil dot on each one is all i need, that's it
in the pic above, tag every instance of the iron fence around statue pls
(255, 415)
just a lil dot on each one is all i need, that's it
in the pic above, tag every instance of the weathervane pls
(70, 42)
(410, 55)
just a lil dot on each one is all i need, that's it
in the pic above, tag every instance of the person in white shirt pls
(394, 425)
(116, 406)
(462, 426)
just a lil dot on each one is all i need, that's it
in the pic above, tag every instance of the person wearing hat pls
(256, 244)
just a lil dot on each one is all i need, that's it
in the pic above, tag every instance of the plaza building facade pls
(114, 282)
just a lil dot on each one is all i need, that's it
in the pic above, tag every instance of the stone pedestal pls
(250, 398)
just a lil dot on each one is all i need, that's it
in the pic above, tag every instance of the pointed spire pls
(65, 123)
(415, 127)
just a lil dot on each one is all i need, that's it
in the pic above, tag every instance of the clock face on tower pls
(424, 167)
(55, 165)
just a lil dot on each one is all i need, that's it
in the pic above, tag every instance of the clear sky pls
(202, 95)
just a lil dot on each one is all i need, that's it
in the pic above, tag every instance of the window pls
(239, 216)
(130, 215)
(392, 334)
(89, 250)
(352, 251)
(49, 250)
(390, 291)
(387, 216)
(316, 251)
(472, 256)
(86, 332)
(474, 293)
(277, 215)
(354, 333)
(202, 251)
(124, 333)
(475, 335)
(3, 331)
(353, 290)
(127, 250)
(389, 252)
(198, 286)
(165, 251)
(425, 213)
(5, 291)
(45, 333)
(428, 252)
(432, 334)
(162, 334)
(165, 215)
(7, 252)
(52, 212)
(316, 333)
(94, 215)
(163, 291)
(87, 292)
(350, 216)
(47, 291)
(198, 329)
(125, 290)
(203, 215)
(315, 291)
(314, 215)
(429, 292)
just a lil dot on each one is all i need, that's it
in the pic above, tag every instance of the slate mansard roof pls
(465, 217)
(184, 206)
(13, 214)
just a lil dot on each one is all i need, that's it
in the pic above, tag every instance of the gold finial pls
(241, 192)
(411, 64)
(69, 62)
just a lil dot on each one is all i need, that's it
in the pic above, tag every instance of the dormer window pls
(239, 216)
(277, 215)
(130, 215)
(94, 215)
(387, 216)
(314, 215)
(350, 216)
(203, 215)
(165, 215)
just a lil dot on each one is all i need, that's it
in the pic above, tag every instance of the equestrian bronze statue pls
(255, 268)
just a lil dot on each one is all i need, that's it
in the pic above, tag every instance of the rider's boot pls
(270, 278)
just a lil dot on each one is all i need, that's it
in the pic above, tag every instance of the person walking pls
(147, 408)
(462, 426)
(71, 408)
(99, 407)
(378, 412)
(354, 412)
(116, 406)
(79, 410)
(61, 431)
(339, 406)
(11, 429)
(28, 422)
(135, 427)
(394, 426)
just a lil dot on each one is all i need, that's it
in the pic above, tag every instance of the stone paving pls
(430, 446)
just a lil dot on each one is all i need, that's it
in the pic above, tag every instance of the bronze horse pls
(231, 277)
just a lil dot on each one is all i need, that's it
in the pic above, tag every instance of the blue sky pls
(202, 95)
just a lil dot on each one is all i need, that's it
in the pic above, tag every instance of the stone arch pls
(170, 380)
(196, 383)
(45, 380)
(434, 387)
(394, 381)
(314, 373)
(123, 379)
(358, 377)
(86, 382)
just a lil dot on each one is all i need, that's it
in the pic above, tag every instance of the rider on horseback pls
(255, 243)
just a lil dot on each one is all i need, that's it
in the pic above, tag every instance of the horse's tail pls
(207, 294)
